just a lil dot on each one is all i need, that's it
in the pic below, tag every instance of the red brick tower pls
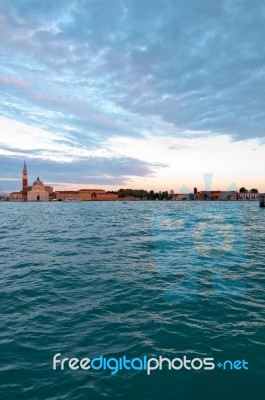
(25, 183)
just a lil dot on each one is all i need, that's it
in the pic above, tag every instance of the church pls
(37, 192)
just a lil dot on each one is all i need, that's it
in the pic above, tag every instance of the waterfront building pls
(66, 195)
(181, 196)
(37, 192)
(209, 195)
(248, 196)
(85, 195)
(89, 194)
(15, 196)
(106, 196)
(229, 195)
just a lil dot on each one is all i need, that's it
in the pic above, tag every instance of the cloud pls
(116, 171)
(196, 65)
(85, 73)
(56, 158)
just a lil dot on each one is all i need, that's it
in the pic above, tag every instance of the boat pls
(71, 199)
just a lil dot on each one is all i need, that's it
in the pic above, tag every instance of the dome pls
(38, 182)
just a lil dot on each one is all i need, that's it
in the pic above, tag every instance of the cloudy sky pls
(132, 93)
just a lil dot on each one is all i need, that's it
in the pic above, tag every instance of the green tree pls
(242, 190)
(254, 191)
(121, 193)
(151, 195)
(164, 195)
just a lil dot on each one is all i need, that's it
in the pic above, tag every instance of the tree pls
(171, 194)
(195, 190)
(242, 190)
(254, 191)
(121, 193)
(165, 195)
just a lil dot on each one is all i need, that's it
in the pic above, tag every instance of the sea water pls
(133, 279)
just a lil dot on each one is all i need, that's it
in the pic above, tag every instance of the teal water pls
(135, 279)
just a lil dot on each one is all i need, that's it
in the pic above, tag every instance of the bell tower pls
(25, 183)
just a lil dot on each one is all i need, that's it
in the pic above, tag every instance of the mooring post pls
(262, 200)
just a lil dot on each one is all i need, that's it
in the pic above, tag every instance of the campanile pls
(25, 183)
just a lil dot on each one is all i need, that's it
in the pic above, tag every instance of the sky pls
(132, 93)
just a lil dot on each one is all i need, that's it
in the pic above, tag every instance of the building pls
(248, 196)
(66, 195)
(106, 197)
(229, 195)
(36, 192)
(181, 196)
(15, 196)
(89, 194)
(209, 195)
(85, 195)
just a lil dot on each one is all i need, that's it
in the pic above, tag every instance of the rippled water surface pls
(134, 279)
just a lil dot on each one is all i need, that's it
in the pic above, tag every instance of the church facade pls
(37, 192)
